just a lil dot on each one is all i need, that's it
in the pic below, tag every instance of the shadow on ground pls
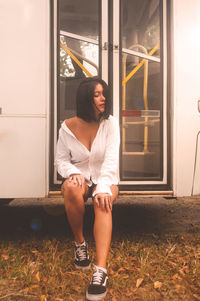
(132, 216)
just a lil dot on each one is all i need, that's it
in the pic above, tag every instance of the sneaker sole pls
(95, 297)
(82, 268)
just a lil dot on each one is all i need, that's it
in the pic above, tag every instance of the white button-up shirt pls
(100, 164)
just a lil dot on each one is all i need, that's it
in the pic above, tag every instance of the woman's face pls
(99, 100)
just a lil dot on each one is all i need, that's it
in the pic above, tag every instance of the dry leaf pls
(111, 272)
(173, 264)
(155, 272)
(32, 264)
(196, 296)
(178, 288)
(43, 298)
(37, 276)
(114, 299)
(125, 276)
(35, 286)
(186, 270)
(172, 249)
(5, 256)
(139, 282)
(157, 284)
(181, 259)
(121, 270)
(132, 258)
(34, 251)
(175, 276)
(128, 294)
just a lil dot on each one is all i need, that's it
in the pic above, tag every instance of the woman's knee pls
(74, 191)
(115, 191)
(70, 188)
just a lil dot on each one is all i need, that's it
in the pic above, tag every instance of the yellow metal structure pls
(139, 65)
(145, 87)
(84, 59)
(73, 57)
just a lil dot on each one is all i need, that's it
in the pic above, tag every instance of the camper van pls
(148, 53)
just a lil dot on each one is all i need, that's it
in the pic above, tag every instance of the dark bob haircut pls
(85, 96)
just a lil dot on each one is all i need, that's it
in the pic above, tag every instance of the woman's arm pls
(109, 168)
(63, 159)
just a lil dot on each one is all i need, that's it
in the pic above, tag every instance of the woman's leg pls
(103, 230)
(74, 196)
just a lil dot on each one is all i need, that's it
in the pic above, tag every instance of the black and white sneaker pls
(82, 260)
(97, 288)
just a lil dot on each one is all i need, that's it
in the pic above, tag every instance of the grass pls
(145, 267)
(145, 263)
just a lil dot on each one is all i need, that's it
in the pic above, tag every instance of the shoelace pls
(97, 277)
(82, 252)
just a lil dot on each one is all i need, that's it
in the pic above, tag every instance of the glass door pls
(134, 60)
(143, 92)
(82, 40)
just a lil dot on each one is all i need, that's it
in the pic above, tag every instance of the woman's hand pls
(103, 200)
(77, 179)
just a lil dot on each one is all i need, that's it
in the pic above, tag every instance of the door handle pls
(0, 111)
(198, 103)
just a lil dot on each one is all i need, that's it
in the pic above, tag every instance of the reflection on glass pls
(141, 23)
(80, 17)
(78, 58)
(141, 126)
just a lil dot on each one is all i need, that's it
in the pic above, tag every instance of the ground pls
(144, 214)
(155, 251)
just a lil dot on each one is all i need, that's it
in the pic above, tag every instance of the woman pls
(87, 158)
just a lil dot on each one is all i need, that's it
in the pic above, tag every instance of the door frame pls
(104, 50)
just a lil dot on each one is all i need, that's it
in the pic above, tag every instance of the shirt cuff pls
(102, 188)
(71, 171)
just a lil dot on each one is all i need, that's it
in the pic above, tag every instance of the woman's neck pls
(97, 121)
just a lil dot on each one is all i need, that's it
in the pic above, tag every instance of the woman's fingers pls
(109, 203)
(103, 201)
(80, 180)
(106, 203)
(96, 201)
(77, 179)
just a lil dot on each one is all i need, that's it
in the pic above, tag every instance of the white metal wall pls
(186, 92)
(24, 97)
